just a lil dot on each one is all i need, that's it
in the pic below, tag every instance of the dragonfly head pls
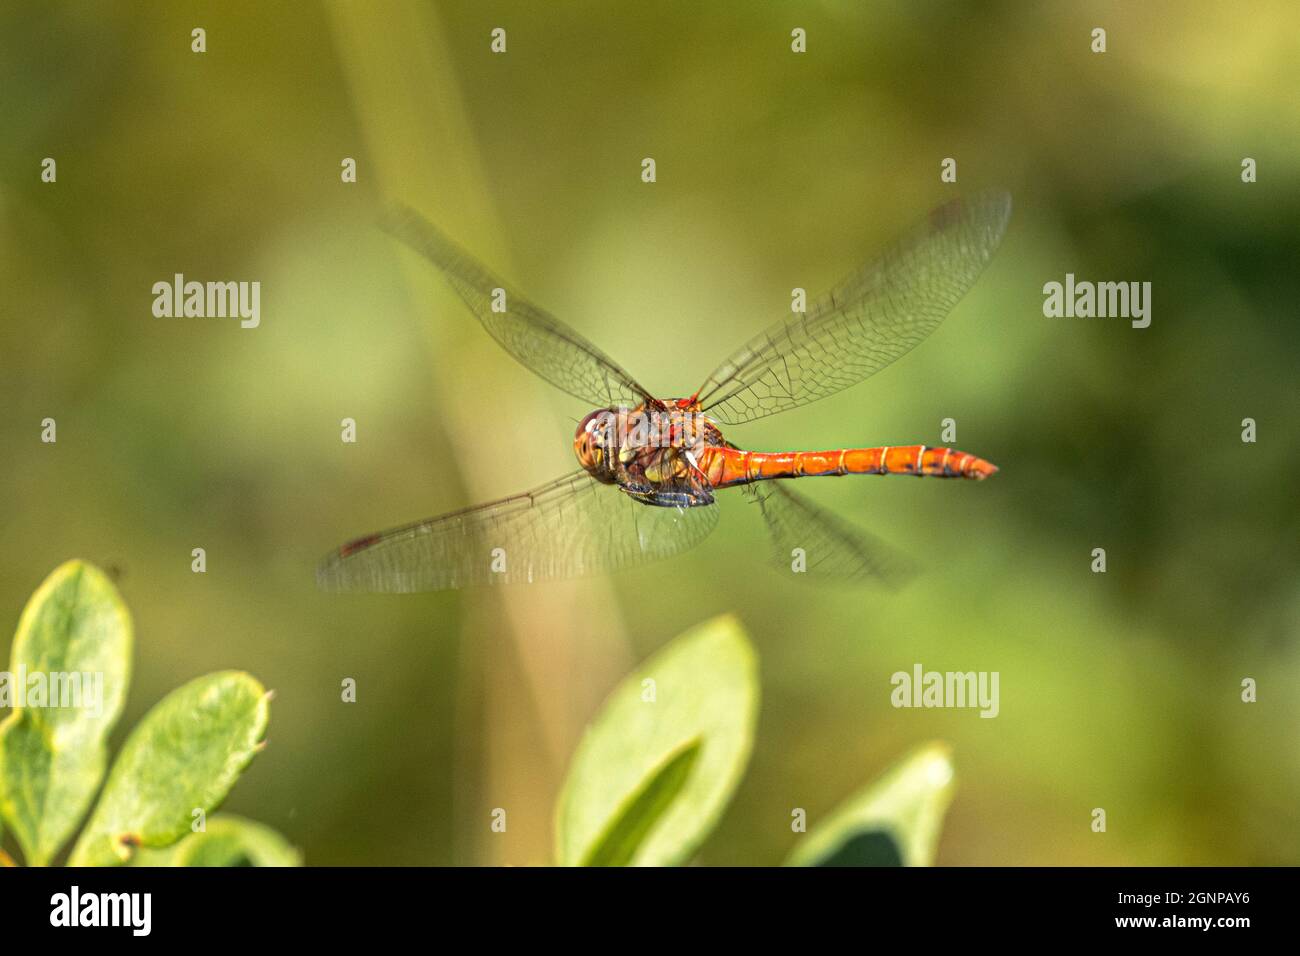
(595, 444)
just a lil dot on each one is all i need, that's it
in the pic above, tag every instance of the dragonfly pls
(652, 468)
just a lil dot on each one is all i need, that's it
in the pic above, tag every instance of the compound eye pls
(594, 434)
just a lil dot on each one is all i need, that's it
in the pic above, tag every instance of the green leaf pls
(893, 822)
(618, 844)
(74, 638)
(228, 841)
(184, 755)
(638, 791)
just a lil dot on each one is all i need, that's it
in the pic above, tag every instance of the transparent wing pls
(532, 335)
(834, 549)
(874, 317)
(571, 527)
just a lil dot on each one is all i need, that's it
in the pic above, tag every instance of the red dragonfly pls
(650, 466)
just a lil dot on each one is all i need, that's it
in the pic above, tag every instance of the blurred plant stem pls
(420, 147)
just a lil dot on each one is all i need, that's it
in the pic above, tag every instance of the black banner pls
(329, 905)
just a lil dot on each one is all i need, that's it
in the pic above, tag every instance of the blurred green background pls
(775, 170)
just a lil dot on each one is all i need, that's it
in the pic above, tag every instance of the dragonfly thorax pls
(649, 451)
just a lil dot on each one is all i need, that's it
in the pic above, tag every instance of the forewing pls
(569, 528)
(875, 316)
(834, 550)
(531, 334)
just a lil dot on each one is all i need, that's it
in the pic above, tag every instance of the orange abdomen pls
(732, 466)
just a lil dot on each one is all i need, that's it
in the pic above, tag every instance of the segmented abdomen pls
(732, 466)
